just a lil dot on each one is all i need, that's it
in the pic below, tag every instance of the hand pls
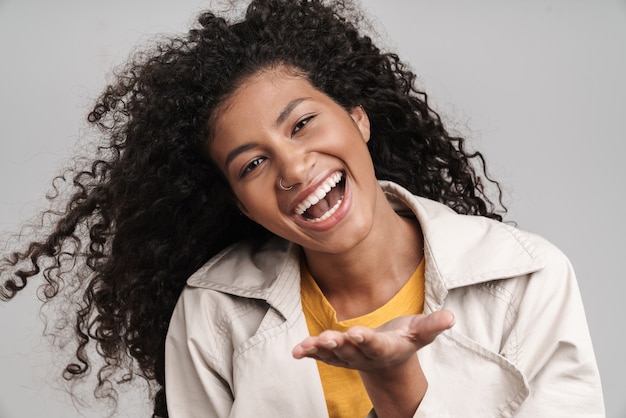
(370, 350)
(385, 358)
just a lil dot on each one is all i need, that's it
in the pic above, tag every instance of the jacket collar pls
(459, 250)
(267, 271)
(462, 250)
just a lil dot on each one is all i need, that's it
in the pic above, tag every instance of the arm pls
(385, 358)
(192, 383)
(553, 346)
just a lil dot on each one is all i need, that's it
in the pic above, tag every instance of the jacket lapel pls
(266, 374)
(475, 381)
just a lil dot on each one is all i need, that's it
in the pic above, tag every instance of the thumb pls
(424, 329)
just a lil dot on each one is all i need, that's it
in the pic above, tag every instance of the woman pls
(251, 153)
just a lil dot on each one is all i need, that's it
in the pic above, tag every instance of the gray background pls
(539, 86)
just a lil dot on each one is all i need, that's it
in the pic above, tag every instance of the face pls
(278, 127)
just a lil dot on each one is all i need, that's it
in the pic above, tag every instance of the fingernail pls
(330, 344)
(356, 338)
(311, 350)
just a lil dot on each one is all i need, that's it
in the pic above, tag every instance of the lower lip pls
(335, 218)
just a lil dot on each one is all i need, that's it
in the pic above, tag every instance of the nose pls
(295, 165)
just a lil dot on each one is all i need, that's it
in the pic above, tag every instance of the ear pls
(361, 121)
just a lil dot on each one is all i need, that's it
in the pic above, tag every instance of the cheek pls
(258, 207)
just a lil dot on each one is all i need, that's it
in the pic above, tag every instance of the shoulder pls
(509, 314)
(549, 275)
(233, 281)
(555, 276)
(230, 295)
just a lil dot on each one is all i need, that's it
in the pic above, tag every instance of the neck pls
(367, 276)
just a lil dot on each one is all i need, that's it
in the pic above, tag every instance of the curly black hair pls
(150, 207)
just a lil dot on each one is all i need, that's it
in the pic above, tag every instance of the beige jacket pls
(520, 346)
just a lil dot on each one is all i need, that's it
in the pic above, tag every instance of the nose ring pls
(280, 184)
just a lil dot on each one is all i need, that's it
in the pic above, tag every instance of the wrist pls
(396, 391)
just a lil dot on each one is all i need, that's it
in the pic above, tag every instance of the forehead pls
(261, 98)
(257, 103)
(265, 88)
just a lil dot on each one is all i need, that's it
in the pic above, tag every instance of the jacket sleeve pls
(193, 379)
(550, 342)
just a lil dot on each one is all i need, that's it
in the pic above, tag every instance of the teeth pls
(319, 194)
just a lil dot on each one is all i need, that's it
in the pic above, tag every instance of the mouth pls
(324, 201)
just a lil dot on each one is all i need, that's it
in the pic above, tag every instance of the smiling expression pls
(275, 126)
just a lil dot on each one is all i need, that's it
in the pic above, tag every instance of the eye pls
(251, 166)
(301, 124)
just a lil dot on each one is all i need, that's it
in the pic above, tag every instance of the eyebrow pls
(280, 119)
(240, 149)
(289, 108)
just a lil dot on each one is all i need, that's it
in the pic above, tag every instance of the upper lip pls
(311, 188)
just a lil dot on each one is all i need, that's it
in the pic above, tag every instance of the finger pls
(345, 355)
(349, 352)
(331, 359)
(371, 344)
(424, 329)
(304, 349)
(311, 346)
(359, 334)
(330, 339)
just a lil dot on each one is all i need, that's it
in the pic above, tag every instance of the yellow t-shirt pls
(345, 394)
